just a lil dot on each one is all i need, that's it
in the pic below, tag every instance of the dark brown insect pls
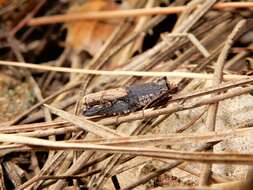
(129, 99)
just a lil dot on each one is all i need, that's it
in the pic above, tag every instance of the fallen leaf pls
(2, 2)
(90, 35)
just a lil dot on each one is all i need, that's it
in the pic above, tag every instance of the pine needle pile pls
(82, 105)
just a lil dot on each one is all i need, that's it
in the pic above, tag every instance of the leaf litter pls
(198, 138)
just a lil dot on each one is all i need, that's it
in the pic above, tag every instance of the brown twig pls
(119, 73)
(38, 178)
(218, 76)
(128, 13)
(233, 158)
(27, 18)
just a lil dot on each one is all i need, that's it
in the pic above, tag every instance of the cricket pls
(129, 99)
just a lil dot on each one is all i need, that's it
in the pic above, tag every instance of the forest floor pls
(145, 95)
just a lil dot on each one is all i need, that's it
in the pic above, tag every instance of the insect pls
(129, 99)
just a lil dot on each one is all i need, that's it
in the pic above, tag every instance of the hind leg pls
(103, 101)
(117, 120)
(143, 113)
(85, 104)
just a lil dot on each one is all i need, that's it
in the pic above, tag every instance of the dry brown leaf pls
(90, 34)
(2, 2)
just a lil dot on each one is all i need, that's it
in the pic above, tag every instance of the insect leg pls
(117, 120)
(103, 101)
(85, 103)
(143, 114)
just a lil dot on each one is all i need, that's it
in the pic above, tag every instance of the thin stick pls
(233, 158)
(45, 177)
(120, 73)
(192, 38)
(84, 124)
(26, 19)
(217, 79)
(128, 13)
(169, 139)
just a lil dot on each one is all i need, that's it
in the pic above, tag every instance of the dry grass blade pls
(192, 38)
(120, 73)
(84, 124)
(106, 59)
(128, 13)
(171, 139)
(217, 79)
(233, 158)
